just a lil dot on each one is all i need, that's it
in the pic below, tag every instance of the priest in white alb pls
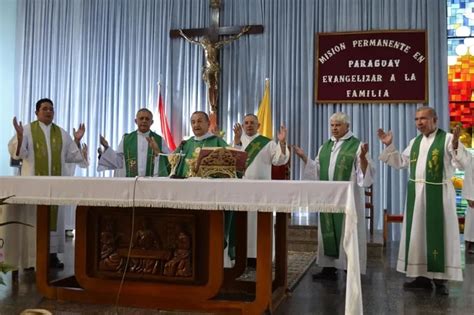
(468, 194)
(262, 153)
(138, 151)
(430, 244)
(45, 149)
(342, 158)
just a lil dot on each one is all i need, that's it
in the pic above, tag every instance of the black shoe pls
(441, 287)
(328, 273)
(54, 261)
(419, 283)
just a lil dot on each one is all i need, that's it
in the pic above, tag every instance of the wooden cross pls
(211, 44)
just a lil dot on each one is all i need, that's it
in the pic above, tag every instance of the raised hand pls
(470, 203)
(237, 133)
(385, 137)
(456, 134)
(79, 133)
(282, 134)
(153, 145)
(300, 153)
(104, 142)
(18, 128)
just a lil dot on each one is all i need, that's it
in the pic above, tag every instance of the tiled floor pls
(381, 287)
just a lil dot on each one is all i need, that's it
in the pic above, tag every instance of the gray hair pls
(340, 117)
(431, 110)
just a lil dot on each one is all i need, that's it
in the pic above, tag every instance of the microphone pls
(181, 145)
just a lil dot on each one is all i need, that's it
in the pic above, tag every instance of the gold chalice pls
(173, 159)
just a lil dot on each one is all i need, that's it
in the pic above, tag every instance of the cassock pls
(20, 241)
(359, 181)
(418, 257)
(117, 160)
(468, 193)
(269, 153)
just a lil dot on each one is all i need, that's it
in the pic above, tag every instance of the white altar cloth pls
(202, 194)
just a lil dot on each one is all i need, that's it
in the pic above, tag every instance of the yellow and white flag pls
(264, 113)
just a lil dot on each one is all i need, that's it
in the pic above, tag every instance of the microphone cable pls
(132, 232)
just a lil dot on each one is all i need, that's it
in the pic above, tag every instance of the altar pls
(182, 268)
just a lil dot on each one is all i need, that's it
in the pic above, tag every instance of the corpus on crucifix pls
(210, 42)
(211, 68)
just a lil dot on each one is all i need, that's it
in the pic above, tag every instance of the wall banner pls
(371, 67)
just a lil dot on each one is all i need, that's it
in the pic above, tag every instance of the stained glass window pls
(461, 65)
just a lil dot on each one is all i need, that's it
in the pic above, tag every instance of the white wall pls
(7, 62)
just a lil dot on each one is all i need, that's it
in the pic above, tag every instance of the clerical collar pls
(431, 135)
(251, 137)
(145, 134)
(44, 125)
(204, 137)
(344, 137)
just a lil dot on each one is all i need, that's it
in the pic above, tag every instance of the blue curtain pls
(100, 61)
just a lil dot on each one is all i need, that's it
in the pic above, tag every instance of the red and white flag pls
(165, 129)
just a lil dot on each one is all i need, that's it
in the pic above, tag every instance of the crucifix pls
(211, 44)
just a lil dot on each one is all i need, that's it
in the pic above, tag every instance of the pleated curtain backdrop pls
(100, 61)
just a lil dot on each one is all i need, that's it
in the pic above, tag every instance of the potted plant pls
(4, 268)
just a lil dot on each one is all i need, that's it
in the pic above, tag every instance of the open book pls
(217, 156)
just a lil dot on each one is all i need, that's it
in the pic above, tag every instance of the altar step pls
(304, 238)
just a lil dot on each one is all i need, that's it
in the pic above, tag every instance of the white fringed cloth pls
(201, 194)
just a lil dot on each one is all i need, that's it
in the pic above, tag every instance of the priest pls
(46, 149)
(262, 153)
(342, 158)
(429, 247)
(137, 153)
(189, 151)
(468, 194)
(190, 148)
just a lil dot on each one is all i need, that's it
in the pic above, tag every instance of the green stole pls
(331, 224)
(41, 159)
(433, 199)
(254, 148)
(130, 144)
(191, 149)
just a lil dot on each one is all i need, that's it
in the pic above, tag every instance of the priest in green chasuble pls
(137, 153)
(190, 148)
(342, 158)
(46, 150)
(430, 245)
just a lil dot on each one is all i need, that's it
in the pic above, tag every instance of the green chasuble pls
(42, 159)
(130, 144)
(433, 200)
(331, 224)
(191, 150)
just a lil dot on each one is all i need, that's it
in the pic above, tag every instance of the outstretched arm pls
(223, 42)
(189, 39)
